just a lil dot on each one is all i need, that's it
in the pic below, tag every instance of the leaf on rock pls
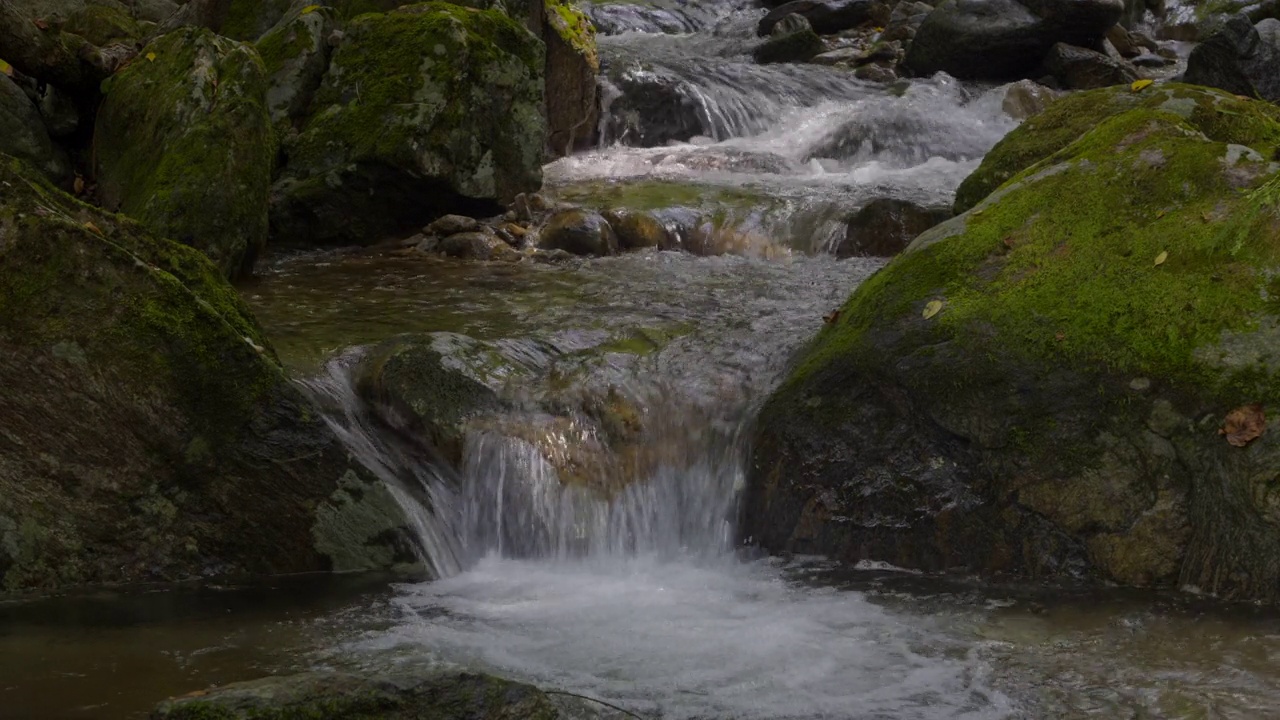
(151, 56)
(1140, 84)
(932, 308)
(40, 23)
(1164, 255)
(1244, 425)
(831, 317)
(92, 228)
(309, 9)
(78, 185)
(6, 68)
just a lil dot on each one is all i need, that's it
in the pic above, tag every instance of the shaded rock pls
(1123, 42)
(637, 230)
(428, 109)
(59, 112)
(905, 20)
(1005, 39)
(875, 73)
(839, 56)
(184, 145)
(1080, 69)
(571, 69)
(968, 410)
(885, 227)
(793, 40)
(23, 134)
(1240, 58)
(249, 20)
(451, 224)
(827, 17)
(404, 695)
(153, 10)
(193, 453)
(103, 25)
(296, 54)
(471, 245)
(580, 232)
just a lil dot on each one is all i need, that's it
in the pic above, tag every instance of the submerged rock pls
(1240, 58)
(1078, 68)
(580, 232)
(1005, 39)
(150, 434)
(428, 109)
(886, 226)
(402, 695)
(1042, 385)
(183, 144)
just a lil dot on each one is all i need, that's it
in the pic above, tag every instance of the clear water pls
(643, 596)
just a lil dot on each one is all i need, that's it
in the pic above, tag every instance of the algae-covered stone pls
(23, 133)
(1071, 116)
(103, 25)
(580, 232)
(571, 69)
(401, 695)
(296, 54)
(184, 145)
(249, 20)
(428, 109)
(1036, 387)
(149, 431)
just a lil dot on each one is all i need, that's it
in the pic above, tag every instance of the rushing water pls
(643, 594)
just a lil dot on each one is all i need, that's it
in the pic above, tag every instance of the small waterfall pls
(674, 495)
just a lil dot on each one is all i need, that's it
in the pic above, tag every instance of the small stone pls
(468, 245)
(875, 73)
(451, 225)
(1140, 384)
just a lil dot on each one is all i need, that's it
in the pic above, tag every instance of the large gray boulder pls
(1241, 58)
(1005, 39)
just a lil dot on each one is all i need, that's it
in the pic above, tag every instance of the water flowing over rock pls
(1008, 399)
(183, 144)
(1005, 39)
(827, 17)
(429, 109)
(150, 433)
(1240, 58)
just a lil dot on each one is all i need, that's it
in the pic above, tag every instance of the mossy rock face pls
(184, 145)
(23, 134)
(403, 695)
(104, 25)
(149, 432)
(571, 68)
(249, 20)
(428, 109)
(1218, 115)
(296, 54)
(1036, 387)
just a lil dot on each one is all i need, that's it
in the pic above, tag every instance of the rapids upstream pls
(647, 597)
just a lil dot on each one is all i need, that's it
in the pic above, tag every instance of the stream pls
(646, 596)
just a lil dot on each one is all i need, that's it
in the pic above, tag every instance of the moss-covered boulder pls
(149, 433)
(1068, 379)
(183, 144)
(104, 24)
(404, 695)
(571, 68)
(1071, 116)
(296, 55)
(428, 109)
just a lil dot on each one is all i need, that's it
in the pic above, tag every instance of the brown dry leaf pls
(1060, 337)
(92, 228)
(78, 184)
(1164, 255)
(40, 23)
(831, 317)
(1244, 425)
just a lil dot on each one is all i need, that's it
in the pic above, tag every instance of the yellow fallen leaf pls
(1164, 255)
(932, 308)
(6, 68)
(309, 9)
(151, 57)
(1140, 84)
(92, 228)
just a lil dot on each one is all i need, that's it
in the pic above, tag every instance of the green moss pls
(1059, 265)
(574, 27)
(250, 19)
(1219, 115)
(103, 25)
(184, 145)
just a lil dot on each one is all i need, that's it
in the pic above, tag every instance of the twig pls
(594, 700)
